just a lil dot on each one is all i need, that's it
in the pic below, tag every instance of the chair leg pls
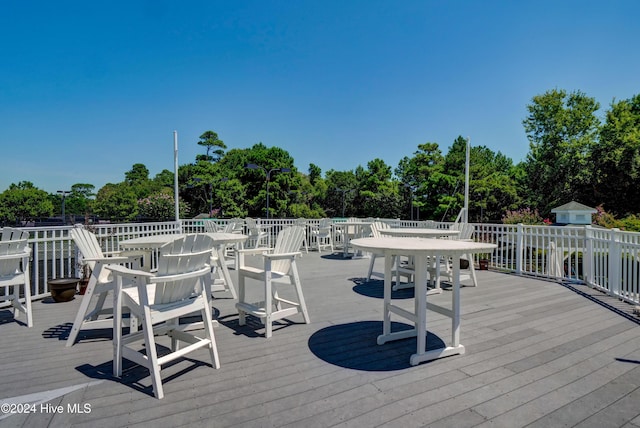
(82, 311)
(268, 299)
(152, 355)
(225, 273)
(298, 287)
(99, 305)
(27, 298)
(473, 271)
(208, 326)
(242, 316)
(371, 263)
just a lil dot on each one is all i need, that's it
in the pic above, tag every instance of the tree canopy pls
(573, 155)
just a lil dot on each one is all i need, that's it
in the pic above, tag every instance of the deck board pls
(538, 353)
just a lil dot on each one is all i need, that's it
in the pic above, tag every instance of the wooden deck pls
(539, 354)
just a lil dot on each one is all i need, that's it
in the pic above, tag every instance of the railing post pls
(588, 257)
(519, 248)
(614, 263)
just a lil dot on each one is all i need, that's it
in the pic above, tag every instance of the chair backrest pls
(183, 262)
(251, 223)
(466, 230)
(324, 228)
(88, 245)
(211, 226)
(12, 253)
(12, 233)
(254, 231)
(288, 241)
(376, 226)
(229, 227)
(325, 223)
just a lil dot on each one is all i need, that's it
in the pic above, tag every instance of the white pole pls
(175, 174)
(465, 217)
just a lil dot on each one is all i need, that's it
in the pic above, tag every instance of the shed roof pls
(574, 206)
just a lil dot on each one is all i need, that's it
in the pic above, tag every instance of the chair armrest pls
(130, 273)
(262, 250)
(20, 255)
(279, 256)
(108, 260)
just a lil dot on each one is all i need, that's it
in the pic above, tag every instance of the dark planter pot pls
(63, 289)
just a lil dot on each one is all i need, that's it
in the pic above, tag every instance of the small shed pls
(573, 213)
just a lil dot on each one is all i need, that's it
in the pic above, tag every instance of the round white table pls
(419, 232)
(421, 249)
(221, 239)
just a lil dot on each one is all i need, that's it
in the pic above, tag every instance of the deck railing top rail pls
(608, 259)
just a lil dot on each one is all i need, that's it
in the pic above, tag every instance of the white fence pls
(608, 259)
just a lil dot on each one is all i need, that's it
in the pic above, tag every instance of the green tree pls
(24, 202)
(138, 174)
(116, 202)
(341, 192)
(616, 159)
(164, 179)
(137, 178)
(315, 173)
(80, 199)
(280, 183)
(562, 129)
(377, 194)
(215, 147)
(421, 177)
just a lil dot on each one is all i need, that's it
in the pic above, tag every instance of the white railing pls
(607, 259)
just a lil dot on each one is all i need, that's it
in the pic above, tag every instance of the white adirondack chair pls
(12, 233)
(323, 235)
(405, 270)
(302, 222)
(444, 267)
(234, 225)
(211, 226)
(181, 286)
(256, 233)
(376, 227)
(279, 266)
(15, 255)
(100, 283)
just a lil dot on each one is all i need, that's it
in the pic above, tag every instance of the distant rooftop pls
(574, 206)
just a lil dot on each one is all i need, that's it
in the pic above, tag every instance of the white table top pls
(156, 241)
(435, 247)
(352, 223)
(419, 232)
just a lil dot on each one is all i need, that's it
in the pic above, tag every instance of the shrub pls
(159, 207)
(524, 216)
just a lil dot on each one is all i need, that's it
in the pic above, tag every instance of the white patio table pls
(221, 239)
(421, 249)
(357, 227)
(419, 232)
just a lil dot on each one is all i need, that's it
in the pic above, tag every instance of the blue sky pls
(88, 89)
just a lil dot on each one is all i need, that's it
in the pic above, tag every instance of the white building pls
(573, 213)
